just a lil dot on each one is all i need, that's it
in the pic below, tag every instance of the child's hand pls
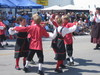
(51, 19)
(12, 29)
(77, 24)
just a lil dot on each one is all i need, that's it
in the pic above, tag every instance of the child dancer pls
(37, 32)
(22, 45)
(2, 33)
(58, 43)
(68, 40)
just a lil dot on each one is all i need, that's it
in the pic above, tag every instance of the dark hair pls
(97, 8)
(19, 19)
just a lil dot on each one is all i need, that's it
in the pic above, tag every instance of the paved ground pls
(87, 61)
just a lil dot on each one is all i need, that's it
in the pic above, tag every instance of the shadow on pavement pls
(9, 47)
(50, 63)
(73, 70)
(84, 62)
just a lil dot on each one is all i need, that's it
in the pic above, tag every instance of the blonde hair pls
(34, 15)
(37, 19)
(66, 17)
(59, 21)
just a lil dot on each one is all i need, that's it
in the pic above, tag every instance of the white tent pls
(56, 7)
(68, 7)
(74, 7)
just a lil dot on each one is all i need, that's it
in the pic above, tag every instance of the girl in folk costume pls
(2, 32)
(95, 34)
(58, 43)
(37, 32)
(22, 44)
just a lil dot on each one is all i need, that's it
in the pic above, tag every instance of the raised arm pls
(92, 18)
(22, 29)
(53, 35)
(68, 30)
(11, 31)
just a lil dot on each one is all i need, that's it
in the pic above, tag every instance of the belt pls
(22, 37)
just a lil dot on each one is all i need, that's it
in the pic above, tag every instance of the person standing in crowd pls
(0, 13)
(72, 16)
(2, 33)
(6, 22)
(83, 16)
(9, 17)
(25, 15)
(95, 34)
(22, 44)
(18, 14)
(68, 40)
(37, 32)
(58, 46)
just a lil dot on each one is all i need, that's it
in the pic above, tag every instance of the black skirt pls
(21, 47)
(95, 34)
(60, 56)
(60, 51)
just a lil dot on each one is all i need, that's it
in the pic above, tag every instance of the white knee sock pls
(26, 65)
(40, 66)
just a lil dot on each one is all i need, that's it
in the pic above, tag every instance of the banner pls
(43, 2)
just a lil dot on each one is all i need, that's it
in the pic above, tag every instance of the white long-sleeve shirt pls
(12, 32)
(96, 18)
(64, 31)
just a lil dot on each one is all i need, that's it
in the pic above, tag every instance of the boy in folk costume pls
(95, 34)
(68, 40)
(2, 33)
(59, 48)
(37, 32)
(29, 36)
(22, 44)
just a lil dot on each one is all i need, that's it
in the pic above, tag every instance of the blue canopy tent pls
(26, 4)
(6, 4)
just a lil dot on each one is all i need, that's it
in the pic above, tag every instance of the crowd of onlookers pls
(83, 19)
(84, 24)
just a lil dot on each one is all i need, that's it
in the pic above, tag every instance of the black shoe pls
(96, 48)
(40, 72)
(25, 69)
(62, 66)
(69, 62)
(17, 68)
(58, 71)
(6, 44)
(68, 59)
(1, 46)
